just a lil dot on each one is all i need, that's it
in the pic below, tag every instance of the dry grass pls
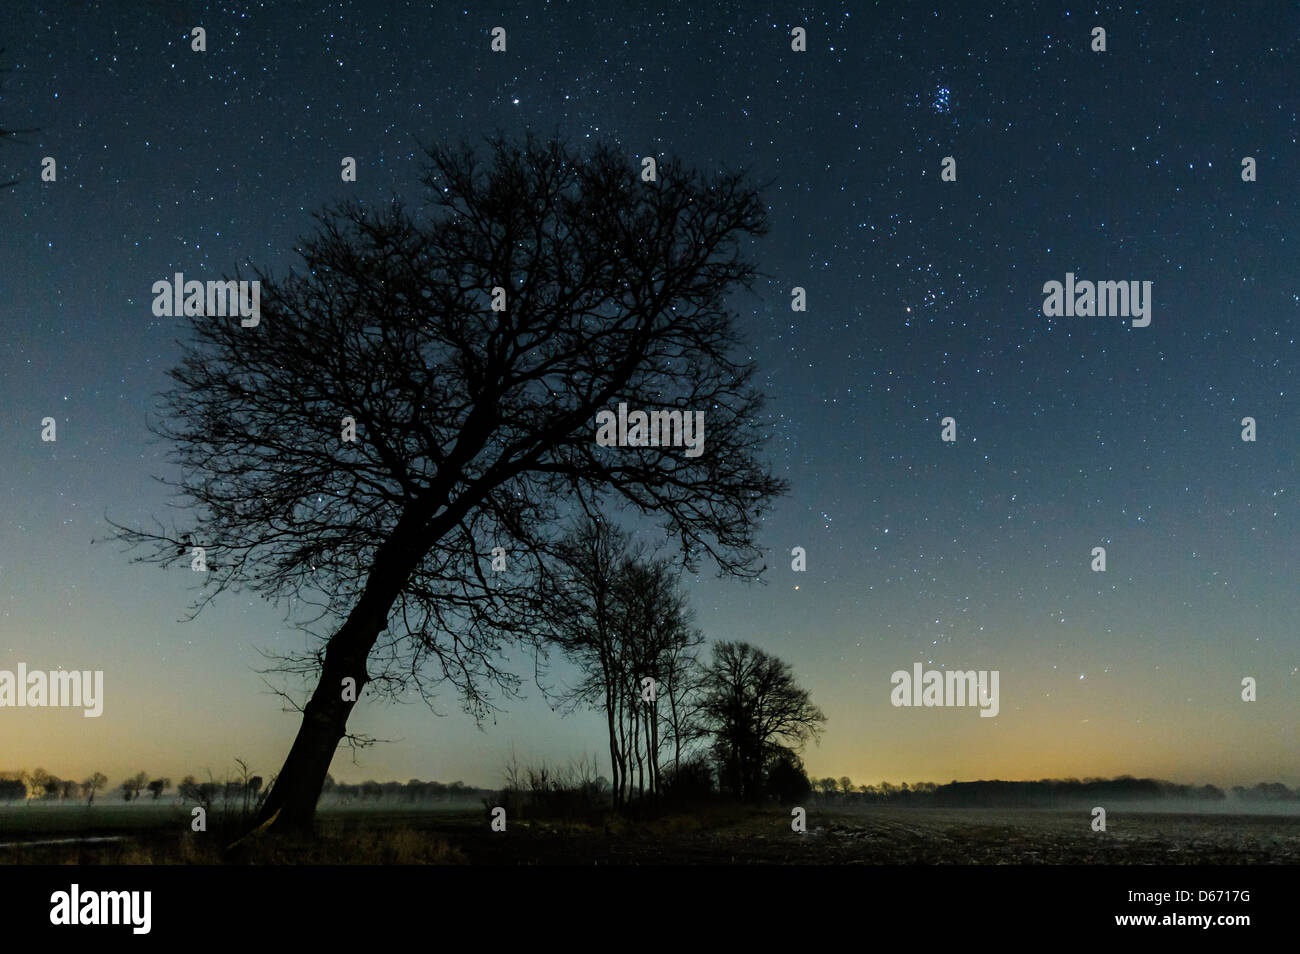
(721, 834)
(389, 846)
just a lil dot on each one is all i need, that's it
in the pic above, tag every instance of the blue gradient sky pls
(924, 301)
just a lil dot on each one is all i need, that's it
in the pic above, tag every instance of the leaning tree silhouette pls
(423, 389)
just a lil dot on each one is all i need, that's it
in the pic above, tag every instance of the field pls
(159, 834)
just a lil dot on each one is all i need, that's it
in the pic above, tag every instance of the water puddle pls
(61, 841)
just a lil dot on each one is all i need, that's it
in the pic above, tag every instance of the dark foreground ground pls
(159, 834)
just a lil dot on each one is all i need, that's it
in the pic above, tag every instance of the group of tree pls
(40, 785)
(133, 786)
(1044, 792)
(758, 718)
(413, 791)
(619, 614)
(470, 343)
(240, 793)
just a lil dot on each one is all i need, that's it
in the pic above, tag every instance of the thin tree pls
(470, 347)
(92, 785)
(582, 611)
(684, 695)
(245, 782)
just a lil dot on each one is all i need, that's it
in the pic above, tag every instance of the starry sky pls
(924, 300)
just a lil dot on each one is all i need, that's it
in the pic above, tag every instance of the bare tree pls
(471, 348)
(132, 787)
(91, 785)
(661, 672)
(158, 786)
(40, 783)
(620, 616)
(582, 611)
(200, 793)
(755, 709)
(245, 782)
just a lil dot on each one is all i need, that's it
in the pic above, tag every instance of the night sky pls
(925, 300)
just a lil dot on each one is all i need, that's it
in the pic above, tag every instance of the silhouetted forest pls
(1056, 792)
(578, 785)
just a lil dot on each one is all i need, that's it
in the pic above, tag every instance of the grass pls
(711, 833)
(160, 833)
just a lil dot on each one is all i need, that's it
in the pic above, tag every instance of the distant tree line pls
(40, 785)
(1046, 792)
(696, 777)
(411, 791)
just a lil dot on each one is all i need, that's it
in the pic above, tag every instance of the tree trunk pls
(625, 774)
(636, 748)
(292, 800)
(676, 726)
(654, 750)
(610, 715)
(291, 803)
(613, 749)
